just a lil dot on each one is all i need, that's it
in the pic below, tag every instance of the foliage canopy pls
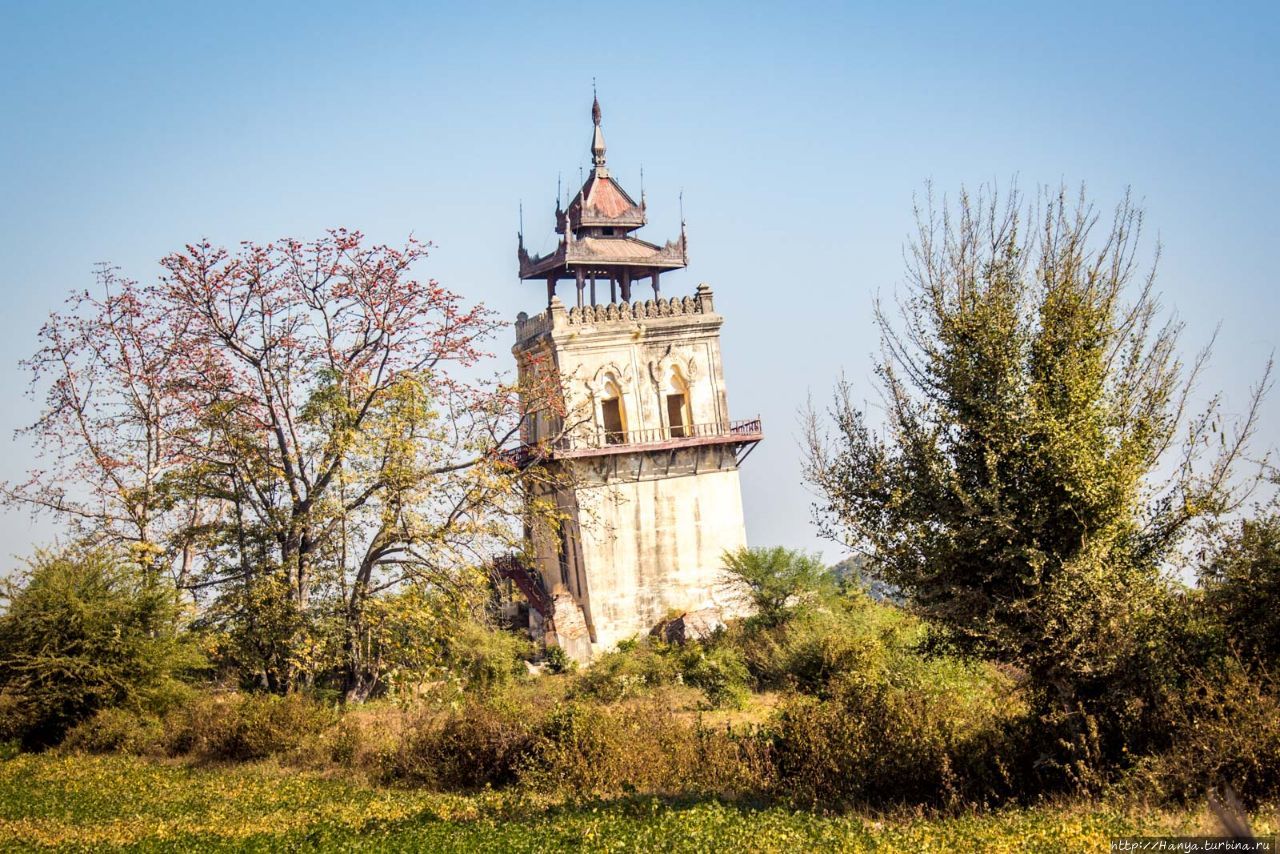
(777, 579)
(1033, 399)
(1241, 578)
(296, 434)
(85, 630)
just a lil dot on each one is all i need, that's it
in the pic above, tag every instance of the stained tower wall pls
(651, 511)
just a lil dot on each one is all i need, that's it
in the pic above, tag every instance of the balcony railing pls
(653, 435)
(748, 430)
(742, 433)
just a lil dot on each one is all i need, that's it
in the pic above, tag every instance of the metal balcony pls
(744, 434)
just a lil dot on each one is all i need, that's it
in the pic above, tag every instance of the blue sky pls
(798, 133)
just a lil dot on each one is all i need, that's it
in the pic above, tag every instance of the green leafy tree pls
(1241, 581)
(85, 630)
(1032, 393)
(776, 579)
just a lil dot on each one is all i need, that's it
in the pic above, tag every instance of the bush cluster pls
(936, 732)
(86, 629)
(582, 749)
(213, 727)
(864, 706)
(482, 744)
(1224, 730)
(483, 658)
(639, 666)
(574, 749)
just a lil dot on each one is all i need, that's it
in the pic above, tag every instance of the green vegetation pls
(1242, 588)
(1034, 396)
(289, 638)
(638, 666)
(778, 580)
(835, 702)
(105, 803)
(84, 630)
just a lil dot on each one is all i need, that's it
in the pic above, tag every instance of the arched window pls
(613, 414)
(675, 393)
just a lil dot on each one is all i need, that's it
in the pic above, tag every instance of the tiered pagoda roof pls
(596, 233)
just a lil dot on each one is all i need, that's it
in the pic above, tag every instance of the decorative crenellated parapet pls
(557, 316)
(527, 327)
(639, 310)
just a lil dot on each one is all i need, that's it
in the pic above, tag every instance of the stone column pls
(704, 296)
(556, 311)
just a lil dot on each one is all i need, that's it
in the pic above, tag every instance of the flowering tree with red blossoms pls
(110, 411)
(294, 430)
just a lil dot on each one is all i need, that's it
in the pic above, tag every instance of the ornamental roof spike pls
(596, 225)
(597, 135)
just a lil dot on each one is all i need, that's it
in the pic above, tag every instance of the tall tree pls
(105, 367)
(1033, 399)
(1241, 580)
(328, 437)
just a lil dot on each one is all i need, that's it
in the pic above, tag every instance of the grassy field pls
(96, 803)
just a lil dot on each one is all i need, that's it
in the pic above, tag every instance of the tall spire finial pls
(597, 137)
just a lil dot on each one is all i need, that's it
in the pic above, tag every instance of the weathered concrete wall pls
(654, 546)
(647, 528)
(638, 353)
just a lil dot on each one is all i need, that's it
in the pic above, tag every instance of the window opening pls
(675, 415)
(611, 410)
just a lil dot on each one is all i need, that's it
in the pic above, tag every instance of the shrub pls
(867, 744)
(1225, 729)
(579, 750)
(633, 668)
(346, 744)
(85, 630)
(485, 658)
(1242, 588)
(882, 721)
(806, 653)
(583, 750)
(776, 580)
(115, 731)
(847, 634)
(235, 727)
(246, 726)
(482, 744)
(637, 667)
(719, 670)
(558, 661)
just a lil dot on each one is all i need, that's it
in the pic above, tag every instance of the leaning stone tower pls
(649, 497)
